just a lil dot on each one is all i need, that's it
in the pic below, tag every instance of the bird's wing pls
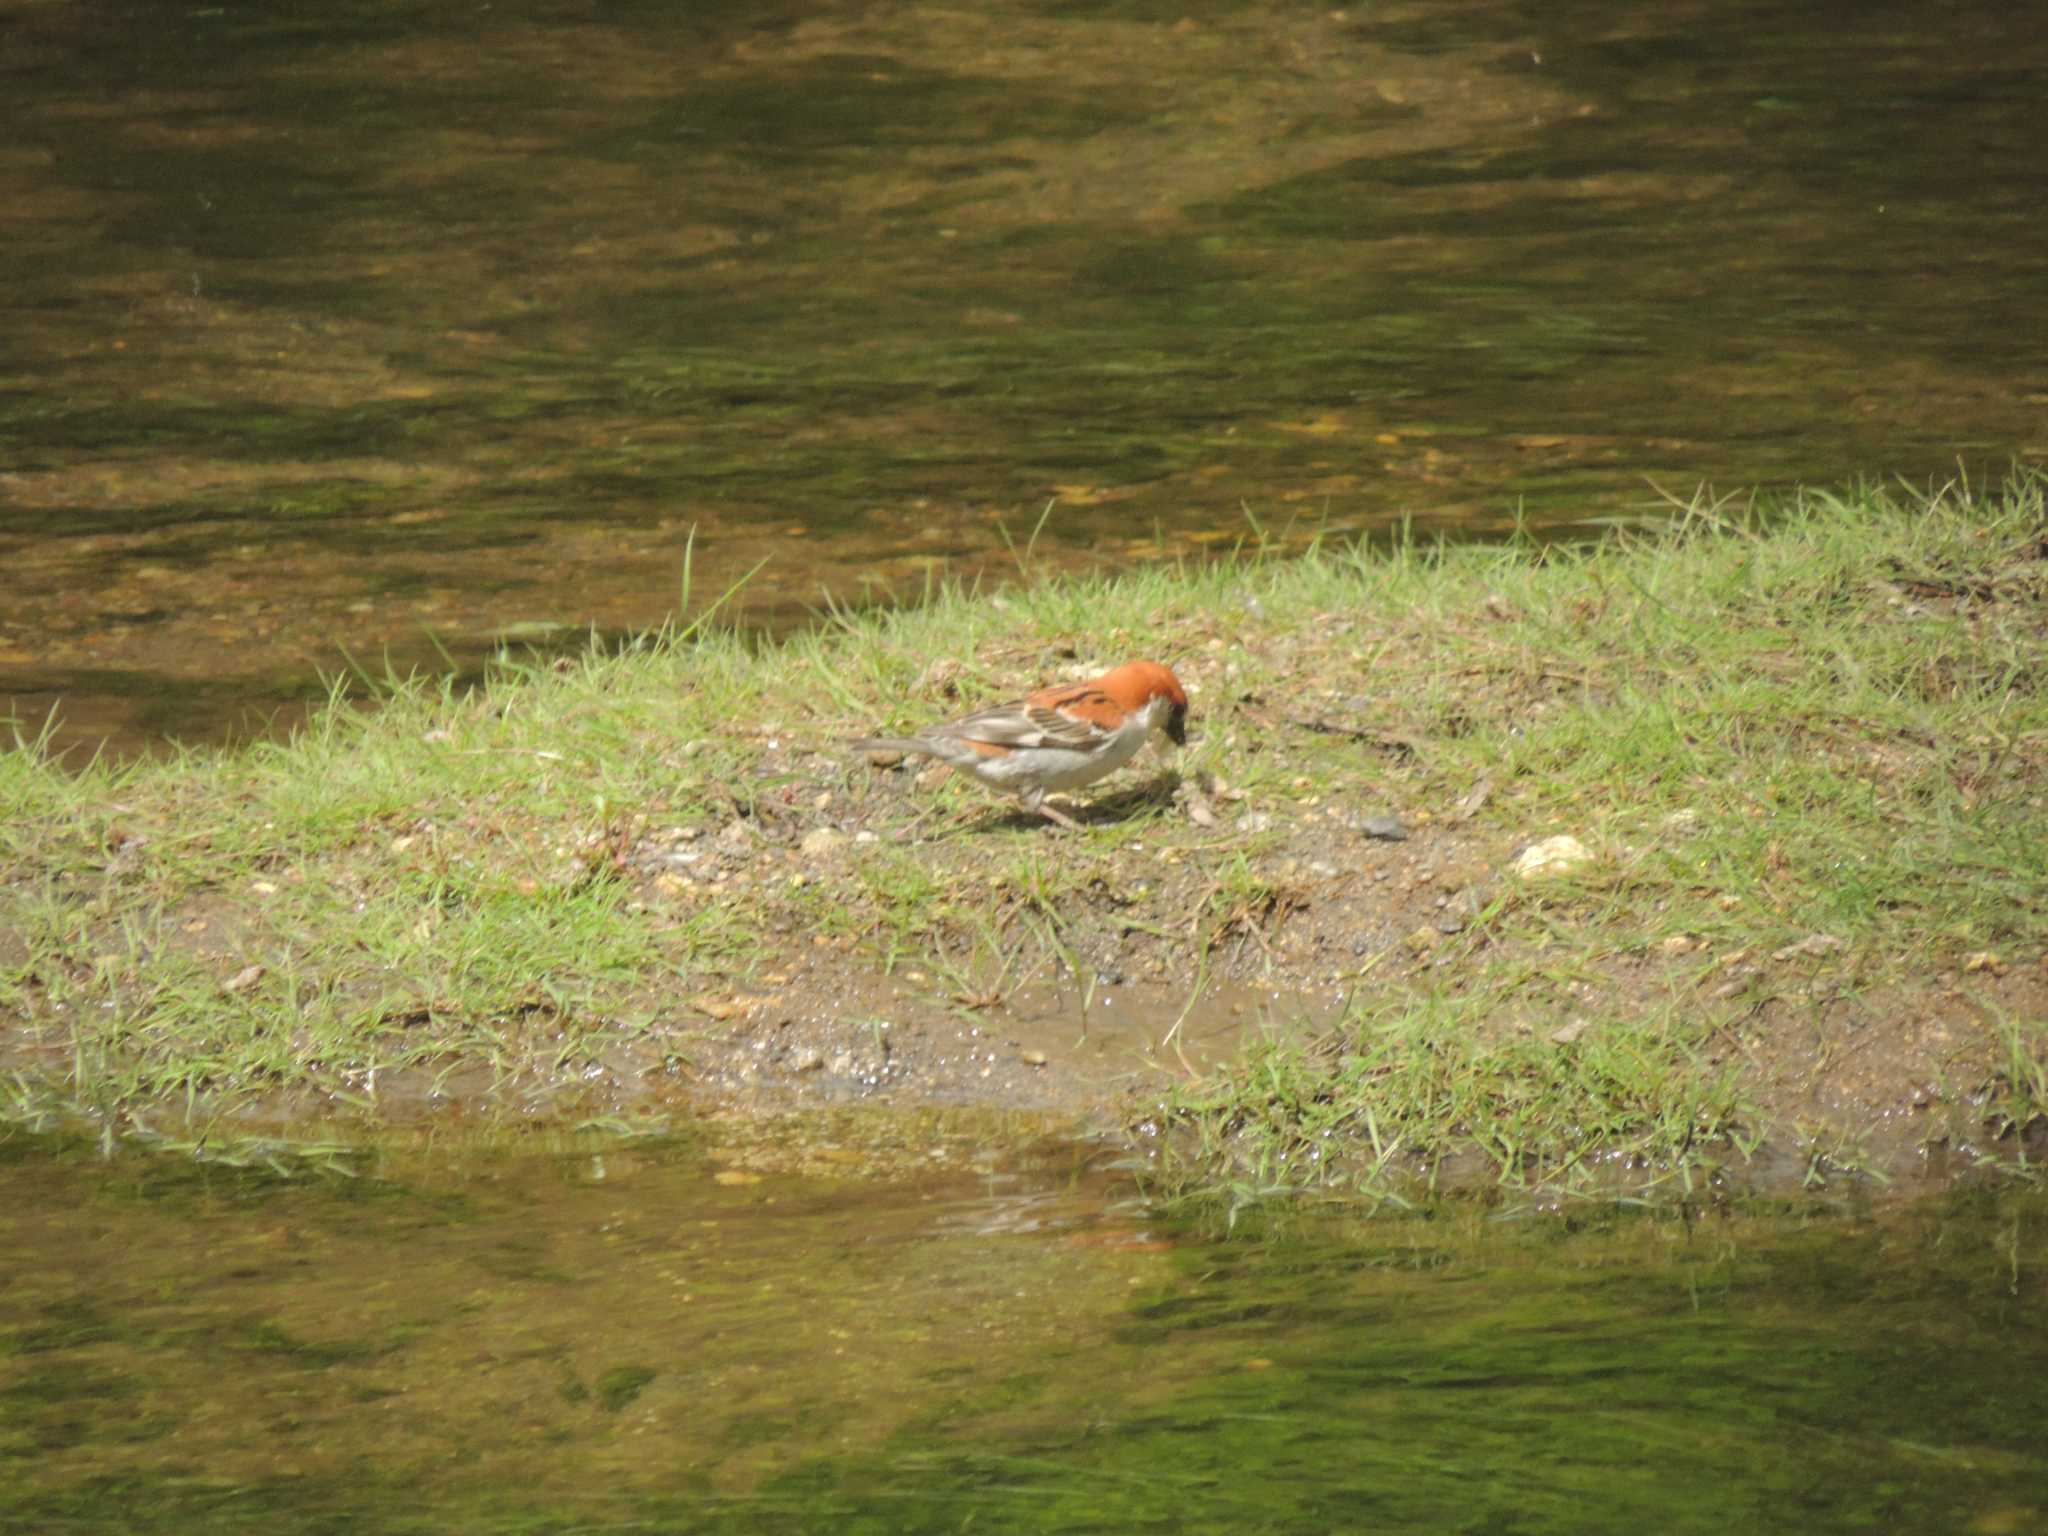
(1067, 717)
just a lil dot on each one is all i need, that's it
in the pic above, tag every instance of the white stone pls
(1553, 856)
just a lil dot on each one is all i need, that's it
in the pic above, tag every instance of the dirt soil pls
(1336, 911)
(1335, 902)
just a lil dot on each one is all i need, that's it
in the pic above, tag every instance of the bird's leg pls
(1033, 799)
(1056, 815)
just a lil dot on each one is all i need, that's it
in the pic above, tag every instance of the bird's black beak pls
(1177, 727)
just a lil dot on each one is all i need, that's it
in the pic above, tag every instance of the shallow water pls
(663, 1337)
(381, 331)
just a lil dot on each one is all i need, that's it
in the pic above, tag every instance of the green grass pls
(1825, 716)
(1395, 1096)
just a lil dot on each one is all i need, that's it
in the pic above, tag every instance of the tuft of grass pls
(1402, 1087)
(2015, 1106)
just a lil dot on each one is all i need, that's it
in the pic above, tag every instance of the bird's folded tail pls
(907, 745)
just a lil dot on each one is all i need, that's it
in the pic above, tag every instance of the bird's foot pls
(1053, 814)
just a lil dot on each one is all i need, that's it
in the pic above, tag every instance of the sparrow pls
(1057, 738)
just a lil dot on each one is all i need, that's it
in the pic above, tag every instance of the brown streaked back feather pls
(1079, 713)
(1028, 723)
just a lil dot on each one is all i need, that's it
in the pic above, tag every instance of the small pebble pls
(1388, 829)
(1553, 856)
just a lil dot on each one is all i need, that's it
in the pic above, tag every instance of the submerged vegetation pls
(1800, 751)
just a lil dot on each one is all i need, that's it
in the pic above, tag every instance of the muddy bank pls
(1646, 855)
